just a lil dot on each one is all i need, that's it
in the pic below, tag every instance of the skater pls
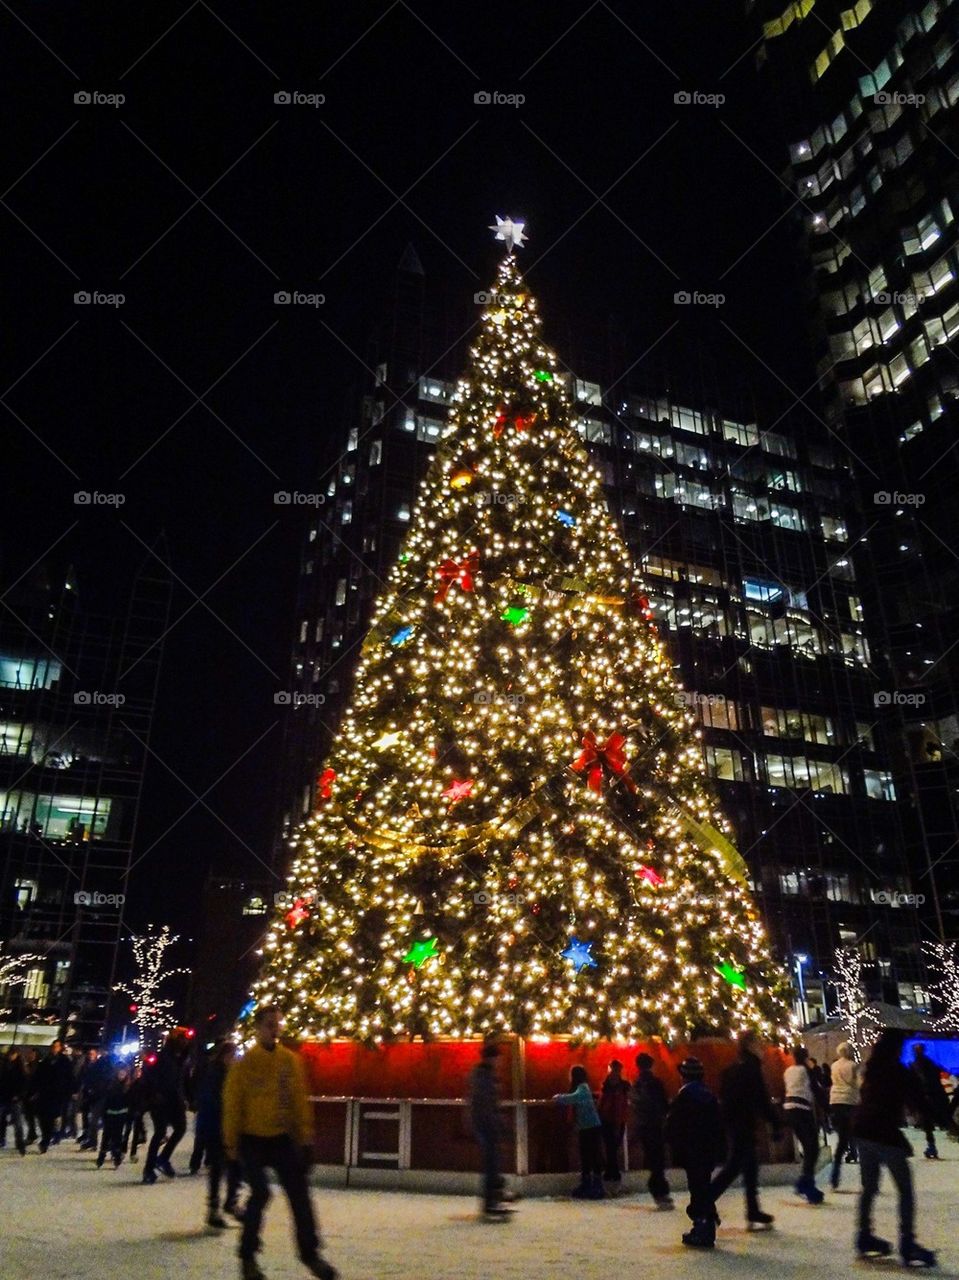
(935, 1109)
(268, 1124)
(13, 1083)
(30, 1062)
(590, 1129)
(96, 1079)
(613, 1112)
(799, 1107)
(195, 1087)
(694, 1130)
(821, 1077)
(745, 1102)
(487, 1126)
(843, 1101)
(54, 1089)
(209, 1127)
(888, 1089)
(135, 1133)
(167, 1104)
(116, 1111)
(649, 1108)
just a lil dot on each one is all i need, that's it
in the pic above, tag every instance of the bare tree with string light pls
(943, 961)
(855, 1008)
(151, 1012)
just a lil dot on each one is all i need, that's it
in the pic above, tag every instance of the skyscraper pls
(77, 692)
(741, 530)
(867, 97)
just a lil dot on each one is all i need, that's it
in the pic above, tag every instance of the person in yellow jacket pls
(268, 1124)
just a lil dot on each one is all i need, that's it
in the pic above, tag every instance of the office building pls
(866, 100)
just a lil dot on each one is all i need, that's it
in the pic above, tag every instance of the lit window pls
(741, 433)
(435, 389)
(28, 673)
(879, 784)
(35, 988)
(15, 738)
(765, 591)
(74, 818)
(428, 429)
(833, 528)
(724, 763)
(803, 774)
(25, 892)
(587, 392)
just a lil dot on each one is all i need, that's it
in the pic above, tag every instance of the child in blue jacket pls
(590, 1128)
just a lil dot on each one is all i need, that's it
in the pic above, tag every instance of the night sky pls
(199, 197)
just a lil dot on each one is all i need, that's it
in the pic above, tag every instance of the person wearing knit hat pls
(843, 1101)
(649, 1109)
(694, 1131)
(613, 1112)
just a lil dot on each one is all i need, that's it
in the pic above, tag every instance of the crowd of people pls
(253, 1115)
(715, 1139)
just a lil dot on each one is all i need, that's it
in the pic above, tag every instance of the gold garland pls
(711, 840)
(465, 838)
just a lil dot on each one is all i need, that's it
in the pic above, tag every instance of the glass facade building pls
(77, 692)
(867, 103)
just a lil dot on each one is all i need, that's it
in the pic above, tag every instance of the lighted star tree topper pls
(514, 830)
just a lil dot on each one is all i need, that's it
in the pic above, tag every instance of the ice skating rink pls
(61, 1217)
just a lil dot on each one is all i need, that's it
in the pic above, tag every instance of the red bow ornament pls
(324, 784)
(298, 913)
(461, 573)
(522, 422)
(596, 756)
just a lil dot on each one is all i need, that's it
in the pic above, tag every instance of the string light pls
(15, 970)
(152, 1012)
(943, 960)
(512, 627)
(862, 1023)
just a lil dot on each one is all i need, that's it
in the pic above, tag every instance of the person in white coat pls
(799, 1108)
(843, 1101)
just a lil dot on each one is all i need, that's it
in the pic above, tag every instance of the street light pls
(801, 960)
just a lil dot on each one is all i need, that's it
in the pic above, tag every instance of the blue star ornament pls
(400, 637)
(578, 954)
(564, 517)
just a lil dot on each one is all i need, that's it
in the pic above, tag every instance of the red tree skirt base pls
(528, 1069)
(400, 1107)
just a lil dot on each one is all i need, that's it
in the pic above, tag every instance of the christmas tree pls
(513, 830)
